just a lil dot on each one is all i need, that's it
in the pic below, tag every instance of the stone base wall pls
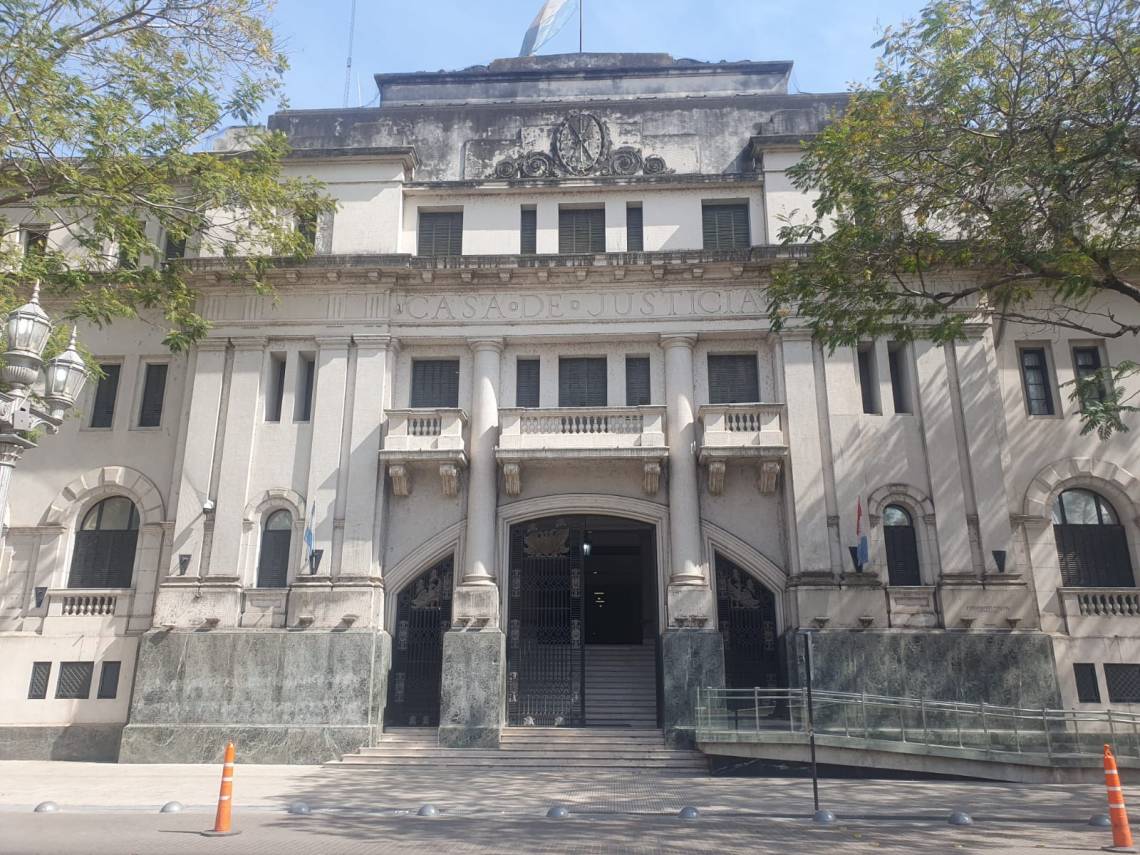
(283, 696)
(690, 659)
(1010, 669)
(87, 743)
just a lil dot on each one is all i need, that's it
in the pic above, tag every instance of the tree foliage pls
(993, 165)
(104, 106)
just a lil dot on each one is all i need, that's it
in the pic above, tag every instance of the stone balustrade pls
(425, 436)
(88, 603)
(743, 432)
(1096, 611)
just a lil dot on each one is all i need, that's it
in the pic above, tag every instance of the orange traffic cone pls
(1121, 833)
(223, 820)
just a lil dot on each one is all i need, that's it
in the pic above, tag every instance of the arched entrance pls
(423, 615)
(746, 618)
(582, 623)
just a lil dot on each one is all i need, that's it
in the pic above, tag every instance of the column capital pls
(249, 342)
(796, 334)
(332, 342)
(478, 344)
(378, 341)
(212, 344)
(688, 340)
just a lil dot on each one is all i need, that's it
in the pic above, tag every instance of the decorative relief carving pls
(768, 477)
(401, 482)
(716, 477)
(580, 146)
(651, 482)
(546, 543)
(449, 476)
(512, 478)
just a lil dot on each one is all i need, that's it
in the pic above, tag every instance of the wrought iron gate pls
(423, 615)
(545, 655)
(746, 616)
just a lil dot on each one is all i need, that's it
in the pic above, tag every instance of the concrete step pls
(594, 754)
(697, 766)
(578, 732)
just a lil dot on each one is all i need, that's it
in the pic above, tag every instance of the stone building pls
(555, 466)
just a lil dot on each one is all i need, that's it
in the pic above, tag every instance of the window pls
(173, 247)
(581, 230)
(902, 546)
(37, 688)
(726, 226)
(1035, 378)
(527, 383)
(868, 378)
(108, 681)
(634, 230)
(1122, 682)
(128, 255)
(528, 232)
(733, 379)
(275, 394)
(34, 240)
(104, 554)
(74, 680)
(305, 222)
(900, 376)
(435, 383)
(306, 373)
(1088, 689)
(154, 389)
(103, 406)
(1087, 363)
(636, 381)
(441, 233)
(1091, 543)
(273, 562)
(582, 382)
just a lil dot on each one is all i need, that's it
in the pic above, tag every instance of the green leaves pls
(993, 170)
(105, 110)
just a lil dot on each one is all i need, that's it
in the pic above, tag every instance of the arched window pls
(105, 544)
(273, 565)
(902, 546)
(1091, 543)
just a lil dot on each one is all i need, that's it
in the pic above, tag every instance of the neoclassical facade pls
(518, 446)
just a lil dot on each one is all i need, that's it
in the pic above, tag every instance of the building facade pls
(555, 467)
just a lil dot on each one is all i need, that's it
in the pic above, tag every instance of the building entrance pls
(581, 608)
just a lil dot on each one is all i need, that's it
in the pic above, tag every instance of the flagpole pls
(581, 3)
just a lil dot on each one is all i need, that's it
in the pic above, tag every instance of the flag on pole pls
(549, 21)
(864, 553)
(309, 531)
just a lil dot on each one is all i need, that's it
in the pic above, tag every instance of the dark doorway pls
(423, 615)
(579, 584)
(746, 617)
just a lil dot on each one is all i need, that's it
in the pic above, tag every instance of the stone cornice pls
(562, 185)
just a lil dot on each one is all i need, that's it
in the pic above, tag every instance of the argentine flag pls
(309, 529)
(547, 24)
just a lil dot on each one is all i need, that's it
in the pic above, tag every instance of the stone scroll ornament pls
(580, 146)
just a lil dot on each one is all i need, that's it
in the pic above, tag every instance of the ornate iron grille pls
(423, 615)
(746, 615)
(545, 653)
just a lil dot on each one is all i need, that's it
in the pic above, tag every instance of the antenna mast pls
(351, 38)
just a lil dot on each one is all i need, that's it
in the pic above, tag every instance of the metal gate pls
(746, 616)
(545, 655)
(423, 615)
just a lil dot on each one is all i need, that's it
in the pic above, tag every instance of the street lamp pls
(63, 377)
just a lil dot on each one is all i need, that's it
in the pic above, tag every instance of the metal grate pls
(1122, 682)
(1088, 689)
(746, 617)
(74, 680)
(37, 688)
(423, 615)
(109, 681)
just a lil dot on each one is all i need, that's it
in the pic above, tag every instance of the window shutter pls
(74, 680)
(582, 382)
(726, 227)
(581, 231)
(273, 565)
(902, 555)
(1093, 556)
(109, 681)
(441, 233)
(1123, 682)
(435, 383)
(733, 379)
(1088, 689)
(528, 232)
(527, 383)
(103, 408)
(636, 381)
(634, 231)
(154, 388)
(37, 688)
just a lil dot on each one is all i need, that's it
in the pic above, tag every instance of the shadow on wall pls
(85, 743)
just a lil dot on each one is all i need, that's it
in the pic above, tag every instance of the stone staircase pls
(621, 685)
(549, 749)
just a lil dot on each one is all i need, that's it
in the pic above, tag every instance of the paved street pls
(113, 809)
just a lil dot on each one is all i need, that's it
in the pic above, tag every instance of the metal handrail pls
(759, 714)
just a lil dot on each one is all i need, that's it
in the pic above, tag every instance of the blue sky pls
(829, 40)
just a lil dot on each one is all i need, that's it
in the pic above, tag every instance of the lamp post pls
(61, 380)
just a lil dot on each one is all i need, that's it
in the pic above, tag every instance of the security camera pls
(208, 506)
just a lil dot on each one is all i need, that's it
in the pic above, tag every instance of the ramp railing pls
(770, 715)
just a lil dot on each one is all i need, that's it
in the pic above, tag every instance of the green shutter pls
(441, 233)
(435, 383)
(726, 227)
(528, 232)
(634, 230)
(582, 382)
(636, 381)
(733, 379)
(527, 383)
(581, 231)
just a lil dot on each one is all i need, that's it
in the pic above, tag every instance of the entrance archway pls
(423, 615)
(581, 623)
(746, 618)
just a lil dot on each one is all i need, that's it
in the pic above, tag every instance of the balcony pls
(1101, 611)
(745, 433)
(85, 606)
(424, 437)
(582, 433)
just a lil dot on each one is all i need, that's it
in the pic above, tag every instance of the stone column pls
(474, 651)
(11, 449)
(692, 652)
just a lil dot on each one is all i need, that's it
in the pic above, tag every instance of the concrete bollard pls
(558, 812)
(1100, 820)
(688, 812)
(823, 817)
(171, 807)
(960, 817)
(428, 810)
(299, 809)
(46, 807)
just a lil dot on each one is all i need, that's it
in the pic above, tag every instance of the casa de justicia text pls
(556, 467)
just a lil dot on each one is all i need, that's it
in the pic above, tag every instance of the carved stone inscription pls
(649, 304)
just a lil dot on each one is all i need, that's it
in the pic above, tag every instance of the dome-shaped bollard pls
(558, 812)
(299, 809)
(688, 812)
(959, 817)
(46, 807)
(1100, 820)
(428, 810)
(171, 807)
(823, 817)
